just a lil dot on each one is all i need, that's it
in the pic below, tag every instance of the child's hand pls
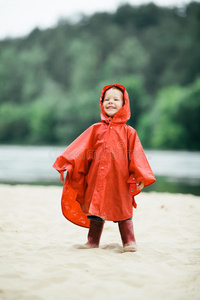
(140, 185)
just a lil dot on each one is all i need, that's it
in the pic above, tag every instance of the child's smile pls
(113, 101)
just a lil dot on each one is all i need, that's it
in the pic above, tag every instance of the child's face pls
(113, 101)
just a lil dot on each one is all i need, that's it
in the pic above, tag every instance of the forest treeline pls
(51, 80)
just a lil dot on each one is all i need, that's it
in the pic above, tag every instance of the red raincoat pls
(103, 165)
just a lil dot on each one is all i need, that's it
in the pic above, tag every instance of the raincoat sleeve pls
(76, 157)
(139, 168)
(62, 165)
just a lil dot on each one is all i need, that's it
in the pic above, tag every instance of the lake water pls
(175, 171)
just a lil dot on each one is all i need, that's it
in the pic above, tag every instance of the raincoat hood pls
(124, 114)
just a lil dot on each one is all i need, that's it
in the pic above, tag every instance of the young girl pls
(106, 167)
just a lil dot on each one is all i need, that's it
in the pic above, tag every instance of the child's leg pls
(94, 234)
(127, 235)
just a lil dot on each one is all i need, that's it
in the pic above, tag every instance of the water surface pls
(175, 171)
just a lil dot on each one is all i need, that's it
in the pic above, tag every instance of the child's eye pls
(116, 99)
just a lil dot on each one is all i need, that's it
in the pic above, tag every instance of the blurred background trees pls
(51, 80)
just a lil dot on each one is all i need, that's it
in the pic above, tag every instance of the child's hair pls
(114, 87)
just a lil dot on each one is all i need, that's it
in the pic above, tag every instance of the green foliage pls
(166, 128)
(51, 80)
(128, 58)
(139, 101)
(21, 74)
(11, 76)
(13, 123)
(83, 74)
(174, 122)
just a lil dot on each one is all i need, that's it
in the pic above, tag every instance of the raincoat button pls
(98, 190)
(106, 147)
(102, 168)
(110, 127)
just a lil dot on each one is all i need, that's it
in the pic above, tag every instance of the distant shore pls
(41, 260)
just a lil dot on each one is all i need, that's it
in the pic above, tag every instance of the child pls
(106, 167)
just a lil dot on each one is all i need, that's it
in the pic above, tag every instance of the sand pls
(40, 259)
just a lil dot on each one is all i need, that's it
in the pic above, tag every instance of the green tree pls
(13, 123)
(22, 74)
(128, 58)
(84, 57)
(51, 80)
(140, 102)
(174, 121)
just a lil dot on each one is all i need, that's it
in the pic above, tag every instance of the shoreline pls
(41, 260)
(162, 185)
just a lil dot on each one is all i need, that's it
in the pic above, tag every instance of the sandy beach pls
(40, 259)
